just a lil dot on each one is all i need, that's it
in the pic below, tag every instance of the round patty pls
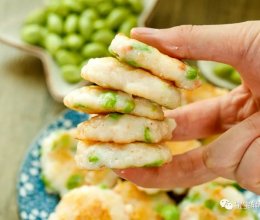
(124, 128)
(59, 170)
(97, 155)
(95, 99)
(90, 203)
(138, 54)
(110, 73)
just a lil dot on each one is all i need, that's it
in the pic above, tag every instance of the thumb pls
(223, 43)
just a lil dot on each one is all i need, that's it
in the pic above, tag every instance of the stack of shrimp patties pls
(129, 129)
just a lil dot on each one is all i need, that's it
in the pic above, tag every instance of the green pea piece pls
(210, 203)
(191, 73)
(126, 27)
(74, 181)
(85, 27)
(169, 212)
(109, 100)
(64, 57)
(37, 16)
(235, 77)
(104, 36)
(99, 24)
(93, 50)
(223, 70)
(105, 8)
(129, 107)
(136, 5)
(156, 163)
(147, 135)
(116, 17)
(55, 23)
(71, 73)
(93, 159)
(53, 43)
(71, 24)
(32, 34)
(74, 41)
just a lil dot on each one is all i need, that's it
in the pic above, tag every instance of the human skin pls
(236, 153)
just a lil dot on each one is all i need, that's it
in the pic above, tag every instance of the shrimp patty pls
(95, 155)
(110, 73)
(141, 55)
(118, 128)
(90, 203)
(95, 99)
(59, 170)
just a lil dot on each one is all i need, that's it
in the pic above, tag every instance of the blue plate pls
(34, 202)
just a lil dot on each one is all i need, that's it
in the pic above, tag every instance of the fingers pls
(229, 43)
(184, 170)
(224, 43)
(247, 172)
(223, 156)
(208, 117)
(195, 121)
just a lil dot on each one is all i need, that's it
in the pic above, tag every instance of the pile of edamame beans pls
(73, 31)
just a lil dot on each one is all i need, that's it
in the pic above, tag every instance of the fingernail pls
(142, 30)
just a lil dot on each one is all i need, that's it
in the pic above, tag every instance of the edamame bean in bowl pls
(73, 31)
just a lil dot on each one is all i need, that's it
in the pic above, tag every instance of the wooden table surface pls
(26, 106)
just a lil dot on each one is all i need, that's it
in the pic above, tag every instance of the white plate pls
(10, 34)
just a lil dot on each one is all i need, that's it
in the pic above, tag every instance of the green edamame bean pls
(33, 34)
(235, 77)
(92, 50)
(71, 73)
(92, 3)
(120, 2)
(223, 70)
(104, 36)
(136, 5)
(105, 8)
(37, 16)
(116, 17)
(99, 24)
(73, 5)
(71, 24)
(54, 23)
(126, 27)
(74, 41)
(53, 43)
(85, 27)
(65, 57)
(90, 14)
(55, 6)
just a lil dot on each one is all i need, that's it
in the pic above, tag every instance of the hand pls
(236, 153)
